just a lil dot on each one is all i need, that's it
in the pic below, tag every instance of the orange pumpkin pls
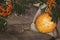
(44, 23)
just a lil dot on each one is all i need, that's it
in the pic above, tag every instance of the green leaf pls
(3, 24)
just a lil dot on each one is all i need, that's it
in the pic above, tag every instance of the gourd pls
(45, 22)
(5, 11)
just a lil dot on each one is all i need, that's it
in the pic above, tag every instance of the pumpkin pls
(45, 22)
